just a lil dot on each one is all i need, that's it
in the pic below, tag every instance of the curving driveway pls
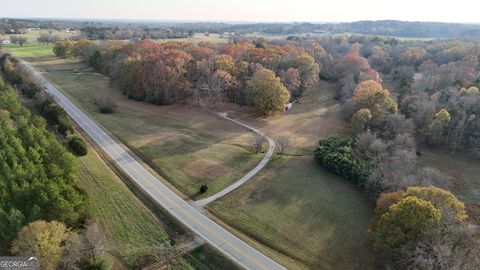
(271, 150)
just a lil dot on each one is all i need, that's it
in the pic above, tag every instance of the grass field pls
(295, 207)
(32, 35)
(186, 145)
(300, 210)
(29, 50)
(315, 116)
(131, 228)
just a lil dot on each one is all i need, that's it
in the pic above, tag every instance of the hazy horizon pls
(246, 11)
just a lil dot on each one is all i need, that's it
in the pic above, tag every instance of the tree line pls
(42, 210)
(171, 72)
(37, 174)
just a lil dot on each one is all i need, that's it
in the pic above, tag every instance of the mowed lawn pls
(186, 145)
(302, 215)
(316, 115)
(29, 50)
(299, 210)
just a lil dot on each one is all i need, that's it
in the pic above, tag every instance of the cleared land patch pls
(295, 207)
(29, 50)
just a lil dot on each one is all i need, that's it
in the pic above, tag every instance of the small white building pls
(288, 106)
(6, 41)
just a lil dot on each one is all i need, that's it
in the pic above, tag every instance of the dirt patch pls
(205, 168)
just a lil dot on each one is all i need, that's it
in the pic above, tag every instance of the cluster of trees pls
(42, 211)
(37, 174)
(383, 28)
(59, 247)
(53, 113)
(20, 40)
(433, 101)
(48, 38)
(425, 228)
(171, 72)
(122, 32)
(337, 155)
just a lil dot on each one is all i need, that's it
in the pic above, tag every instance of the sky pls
(248, 10)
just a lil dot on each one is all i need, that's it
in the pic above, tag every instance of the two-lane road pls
(224, 241)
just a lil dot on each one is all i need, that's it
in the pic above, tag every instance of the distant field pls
(34, 34)
(197, 37)
(29, 50)
(297, 208)
(187, 145)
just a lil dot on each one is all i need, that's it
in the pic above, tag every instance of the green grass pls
(300, 210)
(316, 115)
(130, 227)
(30, 50)
(204, 258)
(34, 34)
(303, 216)
(185, 144)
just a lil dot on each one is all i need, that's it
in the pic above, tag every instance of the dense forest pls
(37, 173)
(171, 72)
(42, 210)
(398, 97)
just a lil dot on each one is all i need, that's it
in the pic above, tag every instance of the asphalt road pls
(228, 244)
(271, 150)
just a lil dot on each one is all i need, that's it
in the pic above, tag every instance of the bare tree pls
(257, 142)
(105, 103)
(453, 246)
(283, 143)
